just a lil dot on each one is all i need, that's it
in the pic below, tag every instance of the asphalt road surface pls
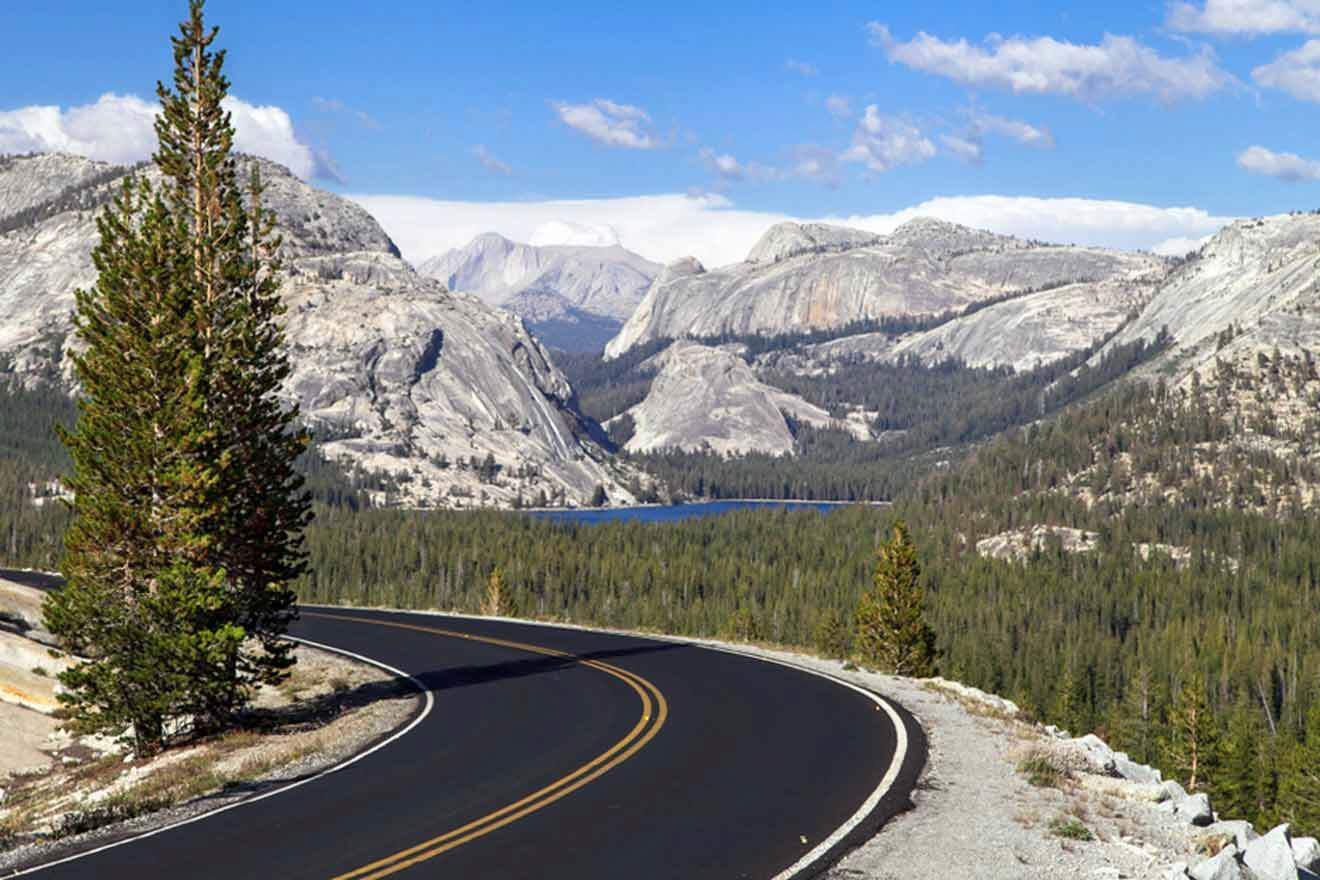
(544, 752)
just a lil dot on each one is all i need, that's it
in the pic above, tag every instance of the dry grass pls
(1069, 828)
(1212, 844)
(1043, 768)
(316, 712)
(1027, 818)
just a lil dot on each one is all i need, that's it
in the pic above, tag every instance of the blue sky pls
(691, 128)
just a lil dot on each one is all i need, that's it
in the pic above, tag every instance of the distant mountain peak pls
(598, 285)
(790, 239)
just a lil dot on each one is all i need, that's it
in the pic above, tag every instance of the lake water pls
(674, 513)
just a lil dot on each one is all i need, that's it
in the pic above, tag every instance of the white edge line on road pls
(819, 851)
(426, 710)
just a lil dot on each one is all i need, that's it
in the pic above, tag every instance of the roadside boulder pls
(1237, 831)
(1172, 792)
(1099, 756)
(1306, 853)
(1194, 809)
(1134, 772)
(1271, 857)
(1222, 866)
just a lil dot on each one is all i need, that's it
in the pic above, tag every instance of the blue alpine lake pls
(676, 512)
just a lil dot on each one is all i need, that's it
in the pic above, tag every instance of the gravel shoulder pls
(975, 814)
(60, 795)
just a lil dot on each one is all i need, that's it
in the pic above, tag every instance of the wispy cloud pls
(1284, 166)
(1115, 67)
(983, 123)
(119, 128)
(492, 164)
(883, 143)
(801, 67)
(1247, 18)
(337, 107)
(816, 163)
(967, 149)
(727, 168)
(712, 227)
(1296, 72)
(839, 106)
(609, 123)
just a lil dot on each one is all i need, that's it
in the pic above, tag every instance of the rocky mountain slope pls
(1252, 288)
(573, 297)
(455, 399)
(1021, 333)
(810, 277)
(709, 398)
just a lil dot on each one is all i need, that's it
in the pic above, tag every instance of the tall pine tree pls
(890, 621)
(1192, 746)
(188, 510)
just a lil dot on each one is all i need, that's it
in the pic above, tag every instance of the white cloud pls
(727, 167)
(578, 234)
(268, 131)
(839, 106)
(1296, 72)
(801, 67)
(492, 164)
(1285, 166)
(118, 128)
(817, 163)
(967, 149)
(1248, 18)
(1179, 247)
(712, 228)
(608, 123)
(885, 142)
(1117, 66)
(1015, 129)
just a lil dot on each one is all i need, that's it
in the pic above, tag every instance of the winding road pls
(548, 752)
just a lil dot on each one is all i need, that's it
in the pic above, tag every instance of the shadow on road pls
(34, 579)
(321, 709)
(466, 676)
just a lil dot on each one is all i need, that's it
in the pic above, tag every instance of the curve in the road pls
(655, 709)
(736, 767)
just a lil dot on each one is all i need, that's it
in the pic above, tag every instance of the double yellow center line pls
(655, 709)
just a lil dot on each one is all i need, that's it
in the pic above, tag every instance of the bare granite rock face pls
(1252, 287)
(705, 397)
(563, 283)
(819, 277)
(399, 374)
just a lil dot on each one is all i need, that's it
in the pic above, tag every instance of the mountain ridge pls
(454, 399)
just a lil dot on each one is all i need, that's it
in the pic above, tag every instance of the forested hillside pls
(924, 415)
(1108, 639)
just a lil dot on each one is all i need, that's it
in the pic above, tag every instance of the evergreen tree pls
(1065, 712)
(492, 604)
(1191, 747)
(1137, 718)
(188, 509)
(1241, 774)
(1299, 785)
(832, 636)
(891, 629)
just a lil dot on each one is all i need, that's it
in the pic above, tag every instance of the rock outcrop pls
(397, 373)
(804, 277)
(572, 296)
(709, 398)
(1253, 287)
